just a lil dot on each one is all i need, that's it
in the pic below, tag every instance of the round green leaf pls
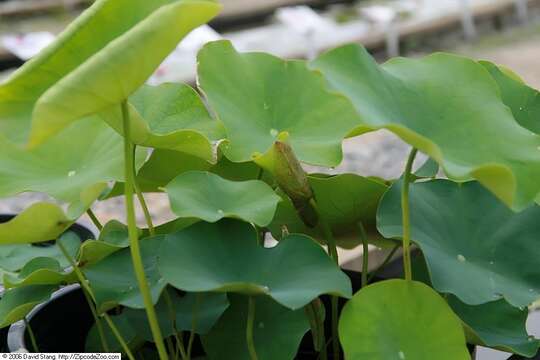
(37, 223)
(113, 279)
(225, 257)
(170, 116)
(494, 324)
(497, 324)
(277, 332)
(343, 201)
(400, 320)
(448, 107)
(275, 97)
(74, 166)
(209, 197)
(467, 233)
(16, 303)
(523, 100)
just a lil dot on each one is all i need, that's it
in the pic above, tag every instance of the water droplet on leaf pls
(461, 258)
(274, 132)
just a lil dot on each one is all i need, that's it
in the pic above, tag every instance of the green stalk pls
(134, 237)
(332, 249)
(383, 264)
(90, 302)
(316, 320)
(94, 219)
(119, 337)
(90, 299)
(249, 329)
(145, 210)
(365, 254)
(172, 315)
(194, 321)
(32, 336)
(406, 216)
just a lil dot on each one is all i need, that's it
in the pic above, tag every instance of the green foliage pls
(448, 107)
(225, 257)
(276, 99)
(344, 201)
(113, 279)
(277, 331)
(231, 159)
(464, 228)
(496, 324)
(416, 323)
(207, 196)
(18, 302)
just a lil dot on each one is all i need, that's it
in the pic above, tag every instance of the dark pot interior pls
(82, 232)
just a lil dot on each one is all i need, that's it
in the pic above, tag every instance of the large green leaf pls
(343, 201)
(14, 257)
(494, 324)
(113, 279)
(37, 223)
(225, 257)
(523, 100)
(277, 332)
(497, 324)
(467, 233)
(400, 320)
(273, 98)
(73, 167)
(170, 116)
(448, 107)
(18, 302)
(97, 61)
(207, 196)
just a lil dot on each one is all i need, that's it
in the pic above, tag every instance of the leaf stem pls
(194, 321)
(136, 257)
(90, 302)
(332, 249)
(365, 253)
(145, 210)
(94, 219)
(32, 336)
(249, 329)
(406, 216)
(119, 337)
(316, 319)
(385, 261)
(172, 316)
(90, 299)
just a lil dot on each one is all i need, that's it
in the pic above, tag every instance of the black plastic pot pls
(82, 232)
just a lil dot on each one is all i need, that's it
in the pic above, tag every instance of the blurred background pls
(504, 31)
